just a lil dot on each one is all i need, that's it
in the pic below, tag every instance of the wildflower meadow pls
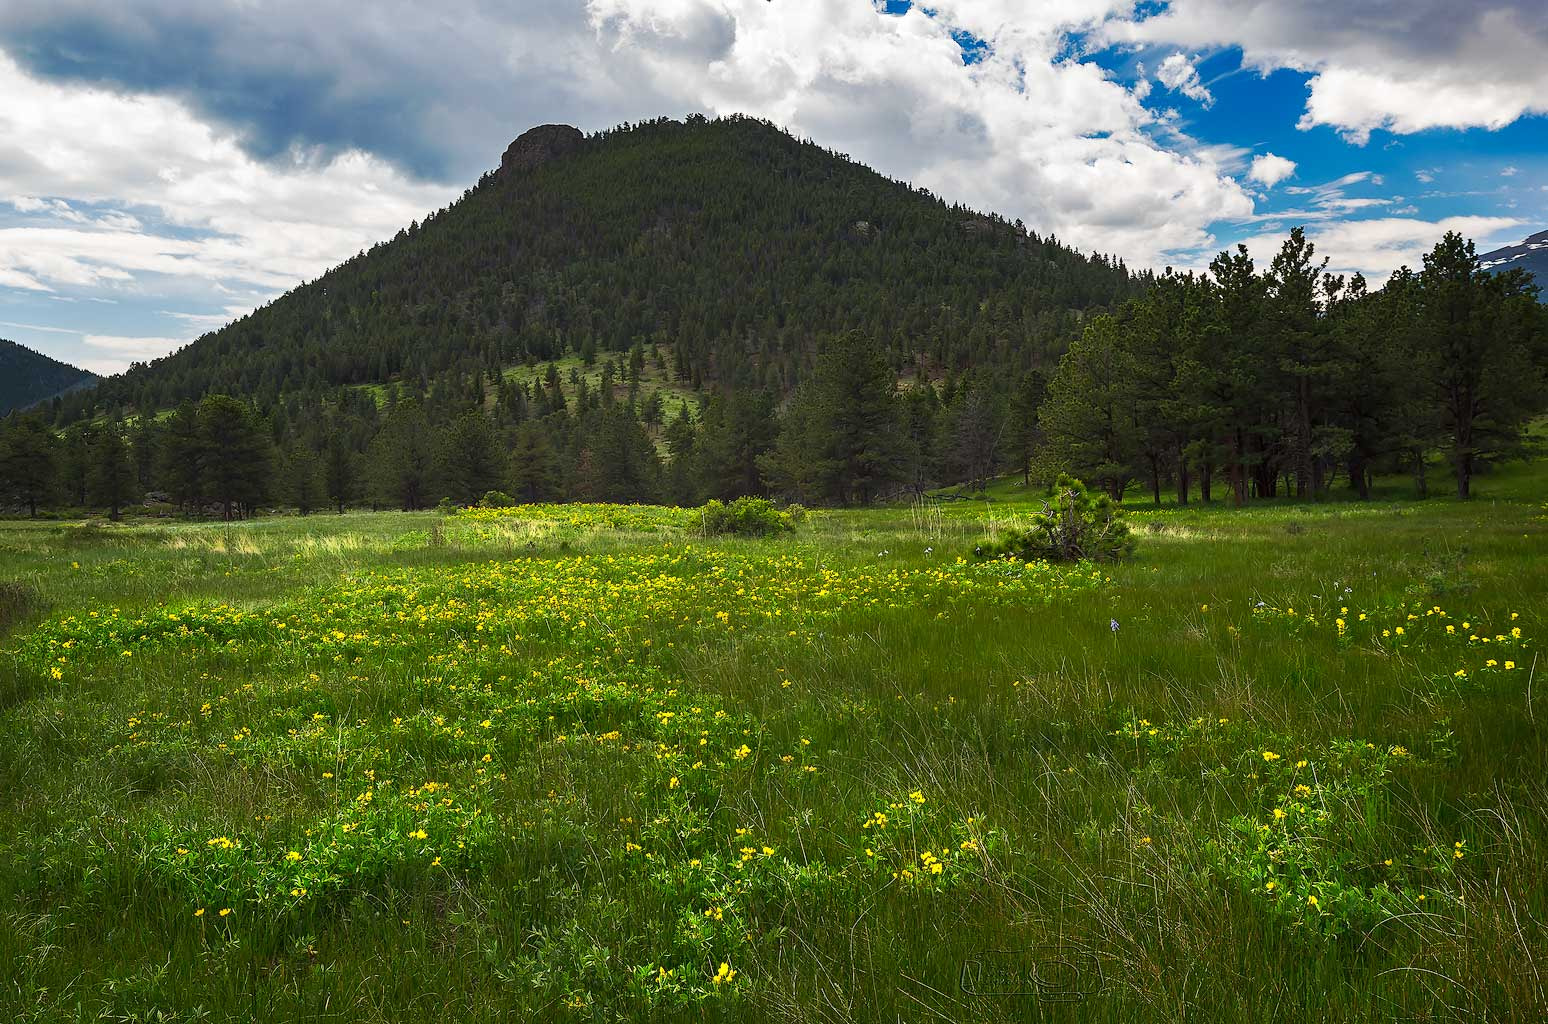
(585, 763)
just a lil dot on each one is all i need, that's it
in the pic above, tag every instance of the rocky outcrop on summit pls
(539, 145)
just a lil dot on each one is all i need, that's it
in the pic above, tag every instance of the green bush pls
(496, 499)
(748, 517)
(1072, 525)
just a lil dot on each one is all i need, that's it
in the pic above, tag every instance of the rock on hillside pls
(537, 146)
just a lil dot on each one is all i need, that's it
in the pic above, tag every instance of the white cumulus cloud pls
(1400, 65)
(152, 188)
(192, 159)
(1023, 131)
(159, 202)
(1179, 74)
(1269, 170)
(119, 352)
(1378, 246)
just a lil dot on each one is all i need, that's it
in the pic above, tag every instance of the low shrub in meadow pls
(748, 517)
(496, 499)
(1073, 525)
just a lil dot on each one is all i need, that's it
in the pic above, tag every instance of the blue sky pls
(167, 165)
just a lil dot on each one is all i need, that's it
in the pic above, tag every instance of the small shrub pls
(1073, 525)
(496, 499)
(1443, 575)
(748, 517)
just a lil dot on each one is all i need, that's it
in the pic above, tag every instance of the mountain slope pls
(1530, 254)
(733, 243)
(28, 377)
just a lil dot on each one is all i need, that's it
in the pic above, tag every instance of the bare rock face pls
(537, 146)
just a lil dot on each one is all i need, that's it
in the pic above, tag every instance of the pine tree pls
(1297, 348)
(1235, 385)
(975, 426)
(29, 461)
(862, 419)
(236, 463)
(401, 457)
(146, 439)
(111, 474)
(304, 479)
(1022, 434)
(734, 435)
(470, 461)
(921, 412)
(1478, 332)
(680, 483)
(1171, 367)
(1088, 419)
(1404, 420)
(75, 462)
(849, 426)
(182, 455)
(1357, 350)
(341, 470)
(618, 460)
(534, 472)
(800, 466)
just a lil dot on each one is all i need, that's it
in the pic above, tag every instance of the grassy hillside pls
(578, 763)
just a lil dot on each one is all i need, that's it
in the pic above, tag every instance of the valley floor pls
(581, 764)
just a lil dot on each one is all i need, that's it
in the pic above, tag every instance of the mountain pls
(28, 377)
(1531, 255)
(727, 246)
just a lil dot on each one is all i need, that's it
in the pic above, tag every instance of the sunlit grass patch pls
(643, 518)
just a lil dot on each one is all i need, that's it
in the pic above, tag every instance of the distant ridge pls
(1530, 254)
(28, 377)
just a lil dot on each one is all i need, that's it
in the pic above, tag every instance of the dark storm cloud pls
(435, 88)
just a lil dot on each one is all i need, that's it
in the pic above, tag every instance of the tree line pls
(848, 435)
(1254, 383)
(1286, 378)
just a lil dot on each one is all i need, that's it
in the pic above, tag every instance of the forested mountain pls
(1530, 254)
(683, 311)
(729, 240)
(28, 377)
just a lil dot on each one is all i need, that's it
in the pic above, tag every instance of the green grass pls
(674, 392)
(652, 377)
(565, 766)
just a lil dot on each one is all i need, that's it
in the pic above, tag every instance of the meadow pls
(581, 763)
